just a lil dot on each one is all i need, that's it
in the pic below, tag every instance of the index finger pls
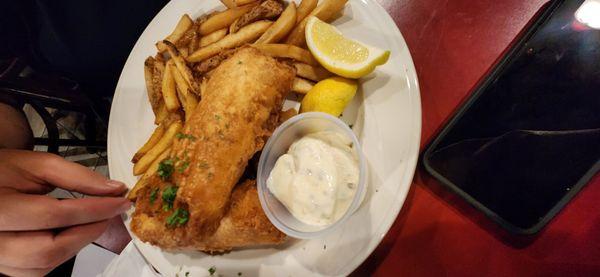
(54, 170)
(21, 212)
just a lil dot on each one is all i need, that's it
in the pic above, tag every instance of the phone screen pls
(529, 137)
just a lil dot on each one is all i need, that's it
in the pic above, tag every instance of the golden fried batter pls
(238, 111)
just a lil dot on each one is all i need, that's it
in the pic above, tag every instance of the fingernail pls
(115, 184)
(125, 207)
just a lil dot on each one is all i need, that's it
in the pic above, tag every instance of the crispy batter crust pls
(238, 112)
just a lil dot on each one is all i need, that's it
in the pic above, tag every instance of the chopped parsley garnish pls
(239, 274)
(153, 194)
(178, 218)
(168, 197)
(187, 273)
(212, 270)
(165, 169)
(185, 136)
(217, 117)
(184, 165)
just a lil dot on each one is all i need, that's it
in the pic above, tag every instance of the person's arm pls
(38, 232)
(15, 132)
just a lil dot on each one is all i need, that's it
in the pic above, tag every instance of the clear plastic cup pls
(283, 137)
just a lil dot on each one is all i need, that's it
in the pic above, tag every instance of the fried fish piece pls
(238, 111)
(245, 224)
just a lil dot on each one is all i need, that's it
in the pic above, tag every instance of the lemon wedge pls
(341, 55)
(330, 96)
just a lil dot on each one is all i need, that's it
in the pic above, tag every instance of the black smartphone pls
(528, 138)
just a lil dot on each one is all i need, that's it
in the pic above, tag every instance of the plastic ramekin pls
(286, 134)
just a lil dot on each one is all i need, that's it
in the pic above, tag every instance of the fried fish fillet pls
(244, 224)
(238, 111)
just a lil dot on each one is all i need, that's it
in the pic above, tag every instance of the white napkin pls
(129, 263)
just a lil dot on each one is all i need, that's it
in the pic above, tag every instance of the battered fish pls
(244, 224)
(187, 204)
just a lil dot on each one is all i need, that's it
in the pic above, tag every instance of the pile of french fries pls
(176, 75)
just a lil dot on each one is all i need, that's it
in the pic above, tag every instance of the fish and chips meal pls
(216, 87)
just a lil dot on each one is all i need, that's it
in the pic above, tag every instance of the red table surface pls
(453, 44)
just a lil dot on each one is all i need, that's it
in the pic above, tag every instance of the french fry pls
(223, 19)
(168, 89)
(314, 73)
(182, 85)
(191, 103)
(140, 184)
(152, 169)
(158, 70)
(302, 86)
(305, 7)
(325, 12)
(154, 138)
(244, 2)
(193, 45)
(288, 51)
(186, 38)
(161, 114)
(213, 37)
(285, 115)
(267, 9)
(232, 28)
(184, 52)
(182, 26)
(142, 165)
(185, 71)
(154, 96)
(282, 26)
(245, 35)
(230, 4)
(188, 100)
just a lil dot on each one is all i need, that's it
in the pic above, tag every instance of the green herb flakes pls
(185, 136)
(165, 169)
(184, 165)
(212, 270)
(153, 194)
(168, 197)
(178, 218)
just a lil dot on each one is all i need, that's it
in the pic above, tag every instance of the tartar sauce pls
(317, 179)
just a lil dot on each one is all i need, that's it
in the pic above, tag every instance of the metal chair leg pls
(50, 123)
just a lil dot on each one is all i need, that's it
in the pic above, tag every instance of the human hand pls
(38, 232)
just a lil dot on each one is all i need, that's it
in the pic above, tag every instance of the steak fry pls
(266, 10)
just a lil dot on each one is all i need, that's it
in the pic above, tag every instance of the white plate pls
(386, 117)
